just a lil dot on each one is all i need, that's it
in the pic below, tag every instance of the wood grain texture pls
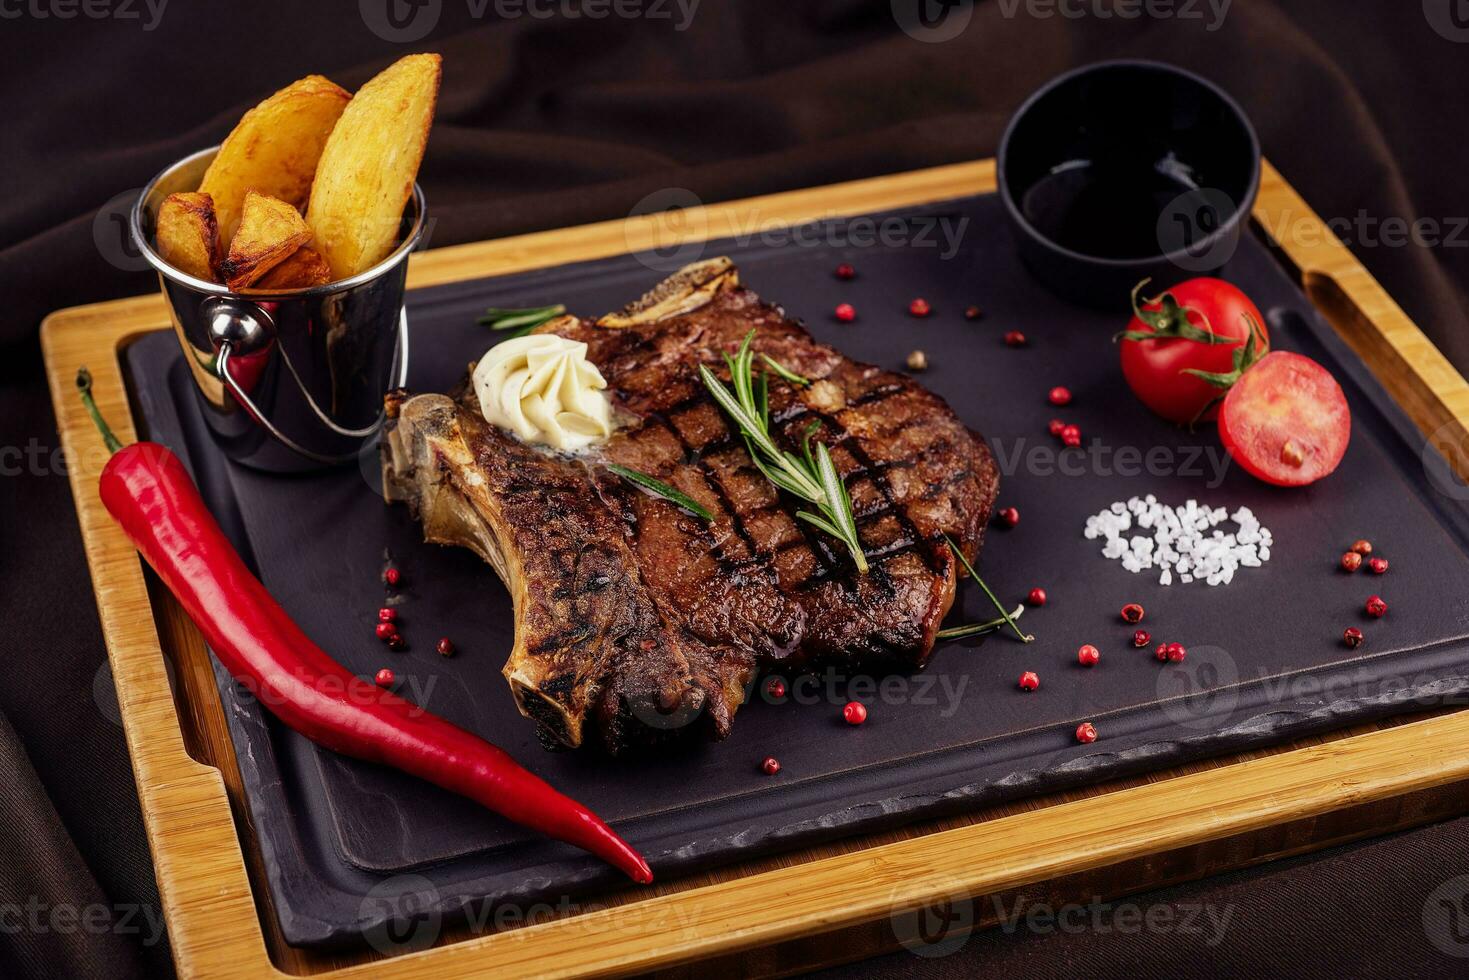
(1222, 813)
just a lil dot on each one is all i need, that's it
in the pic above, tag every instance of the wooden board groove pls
(1225, 812)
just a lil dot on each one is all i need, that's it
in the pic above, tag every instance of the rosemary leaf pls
(660, 489)
(1009, 620)
(785, 372)
(838, 504)
(820, 522)
(522, 321)
(496, 312)
(977, 629)
(731, 405)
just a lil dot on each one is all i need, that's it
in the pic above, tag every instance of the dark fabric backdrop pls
(549, 122)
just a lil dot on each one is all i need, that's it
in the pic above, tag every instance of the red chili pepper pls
(150, 495)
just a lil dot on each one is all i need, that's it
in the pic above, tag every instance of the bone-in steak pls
(637, 621)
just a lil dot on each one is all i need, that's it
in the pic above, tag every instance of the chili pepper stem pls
(84, 388)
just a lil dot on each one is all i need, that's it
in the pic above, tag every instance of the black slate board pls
(352, 849)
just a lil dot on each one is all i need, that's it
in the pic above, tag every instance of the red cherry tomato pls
(1286, 421)
(1154, 368)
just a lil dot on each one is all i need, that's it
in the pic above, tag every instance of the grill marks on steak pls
(634, 617)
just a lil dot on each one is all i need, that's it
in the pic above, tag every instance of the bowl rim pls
(1226, 227)
(410, 241)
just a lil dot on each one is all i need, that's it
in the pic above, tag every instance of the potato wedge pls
(270, 230)
(367, 169)
(186, 234)
(301, 269)
(274, 149)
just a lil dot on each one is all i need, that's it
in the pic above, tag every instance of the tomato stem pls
(1169, 322)
(1245, 357)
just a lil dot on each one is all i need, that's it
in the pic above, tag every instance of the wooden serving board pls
(858, 895)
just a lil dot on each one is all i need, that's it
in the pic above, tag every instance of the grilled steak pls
(637, 621)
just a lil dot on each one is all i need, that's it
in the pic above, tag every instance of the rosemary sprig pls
(978, 629)
(811, 476)
(1008, 619)
(519, 321)
(660, 489)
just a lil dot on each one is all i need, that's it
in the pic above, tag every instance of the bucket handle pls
(242, 328)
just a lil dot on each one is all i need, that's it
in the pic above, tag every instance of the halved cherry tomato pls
(1186, 319)
(1286, 420)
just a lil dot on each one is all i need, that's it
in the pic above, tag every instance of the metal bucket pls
(292, 380)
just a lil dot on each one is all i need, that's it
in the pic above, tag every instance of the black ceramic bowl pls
(1125, 170)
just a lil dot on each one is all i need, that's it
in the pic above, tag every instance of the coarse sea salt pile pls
(1184, 541)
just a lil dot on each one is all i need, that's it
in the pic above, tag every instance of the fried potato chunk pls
(301, 269)
(186, 234)
(366, 172)
(270, 230)
(274, 150)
